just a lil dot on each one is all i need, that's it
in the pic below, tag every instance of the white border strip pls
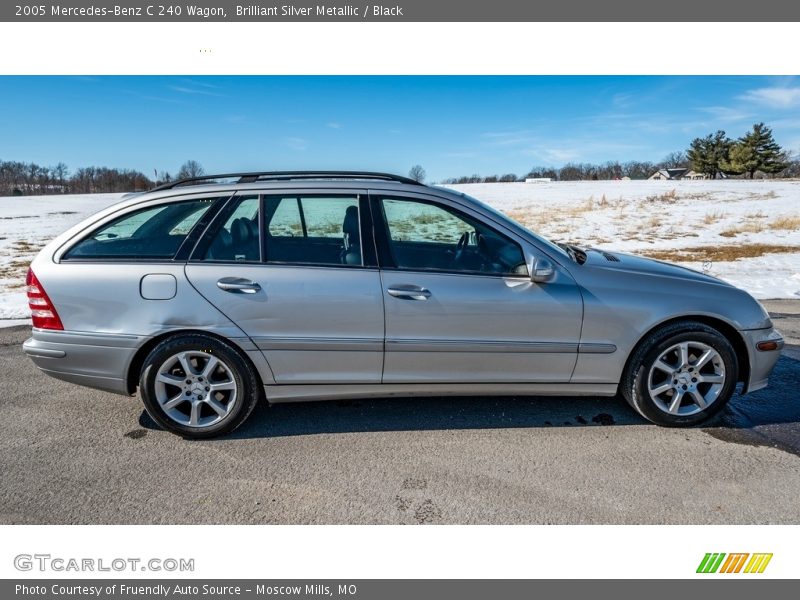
(396, 48)
(371, 552)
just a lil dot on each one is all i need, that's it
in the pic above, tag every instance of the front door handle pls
(409, 292)
(238, 285)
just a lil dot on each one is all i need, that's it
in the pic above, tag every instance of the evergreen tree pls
(756, 151)
(709, 153)
(741, 159)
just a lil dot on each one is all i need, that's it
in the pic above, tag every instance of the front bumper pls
(94, 360)
(761, 362)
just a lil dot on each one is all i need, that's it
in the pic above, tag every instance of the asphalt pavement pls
(74, 455)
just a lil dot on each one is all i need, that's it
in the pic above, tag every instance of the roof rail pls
(288, 176)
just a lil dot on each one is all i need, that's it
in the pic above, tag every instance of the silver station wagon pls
(209, 294)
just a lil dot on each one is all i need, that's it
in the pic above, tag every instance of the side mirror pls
(542, 271)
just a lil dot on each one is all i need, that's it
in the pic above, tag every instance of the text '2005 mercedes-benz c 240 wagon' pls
(208, 294)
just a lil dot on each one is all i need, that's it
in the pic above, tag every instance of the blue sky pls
(451, 125)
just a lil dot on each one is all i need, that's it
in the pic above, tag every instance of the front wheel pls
(197, 386)
(681, 374)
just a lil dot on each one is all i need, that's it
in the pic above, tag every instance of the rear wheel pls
(681, 374)
(197, 386)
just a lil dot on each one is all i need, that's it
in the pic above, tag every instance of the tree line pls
(23, 179)
(754, 154)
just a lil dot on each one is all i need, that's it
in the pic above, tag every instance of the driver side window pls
(426, 236)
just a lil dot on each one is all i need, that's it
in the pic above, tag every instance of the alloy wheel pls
(195, 389)
(686, 378)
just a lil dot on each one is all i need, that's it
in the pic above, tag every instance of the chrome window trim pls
(454, 200)
(79, 236)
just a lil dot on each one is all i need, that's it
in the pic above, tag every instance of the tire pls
(217, 394)
(670, 390)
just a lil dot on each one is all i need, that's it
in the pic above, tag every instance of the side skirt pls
(302, 393)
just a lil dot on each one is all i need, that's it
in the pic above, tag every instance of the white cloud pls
(553, 155)
(296, 143)
(561, 154)
(775, 97)
(509, 138)
(194, 91)
(197, 83)
(464, 154)
(334, 125)
(622, 100)
(726, 113)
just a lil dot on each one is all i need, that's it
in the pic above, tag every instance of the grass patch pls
(669, 197)
(788, 223)
(15, 271)
(22, 246)
(719, 253)
(752, 224)
(770, 195)
(713, 217)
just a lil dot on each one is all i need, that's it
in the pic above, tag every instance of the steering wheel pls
(483, 248)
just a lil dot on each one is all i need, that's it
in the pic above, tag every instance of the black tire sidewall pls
(241, 373)
(640, 397)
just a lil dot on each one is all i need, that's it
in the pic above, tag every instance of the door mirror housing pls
(542, 270)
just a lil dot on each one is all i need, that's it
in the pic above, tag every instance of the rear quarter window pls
(148, 233)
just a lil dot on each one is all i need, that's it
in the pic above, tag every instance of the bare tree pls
(189, 169)
(417, 173)
(675, 160)
(60, 173)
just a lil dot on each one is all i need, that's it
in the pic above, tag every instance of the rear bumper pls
(761, 362)
(94, 360)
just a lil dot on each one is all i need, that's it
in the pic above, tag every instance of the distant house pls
(690, 174)
(676, 174)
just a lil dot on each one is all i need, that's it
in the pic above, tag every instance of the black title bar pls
(676, 11)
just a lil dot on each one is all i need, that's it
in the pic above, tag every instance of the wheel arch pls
(136, 363)
(726, 329)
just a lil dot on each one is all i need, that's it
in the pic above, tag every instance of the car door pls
(288, 268)
(460, 305)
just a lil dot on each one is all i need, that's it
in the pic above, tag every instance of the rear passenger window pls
(324, 217)
(149, 233)
(238, 239)
(286, 220)
(313, 230)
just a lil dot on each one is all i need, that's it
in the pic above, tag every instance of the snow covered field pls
(26, 224)
(746, 232)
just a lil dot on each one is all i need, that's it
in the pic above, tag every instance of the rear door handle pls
(238, 285)
(409, 292)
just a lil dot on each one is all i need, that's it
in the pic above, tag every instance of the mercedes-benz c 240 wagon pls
(207, 296)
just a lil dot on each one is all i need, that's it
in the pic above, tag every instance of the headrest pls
(240, 230)
(350, 223)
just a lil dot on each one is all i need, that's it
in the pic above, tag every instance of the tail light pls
(42, 310)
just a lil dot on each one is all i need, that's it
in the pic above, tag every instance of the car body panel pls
(626, 298)
(313, 324)
(481, 329)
